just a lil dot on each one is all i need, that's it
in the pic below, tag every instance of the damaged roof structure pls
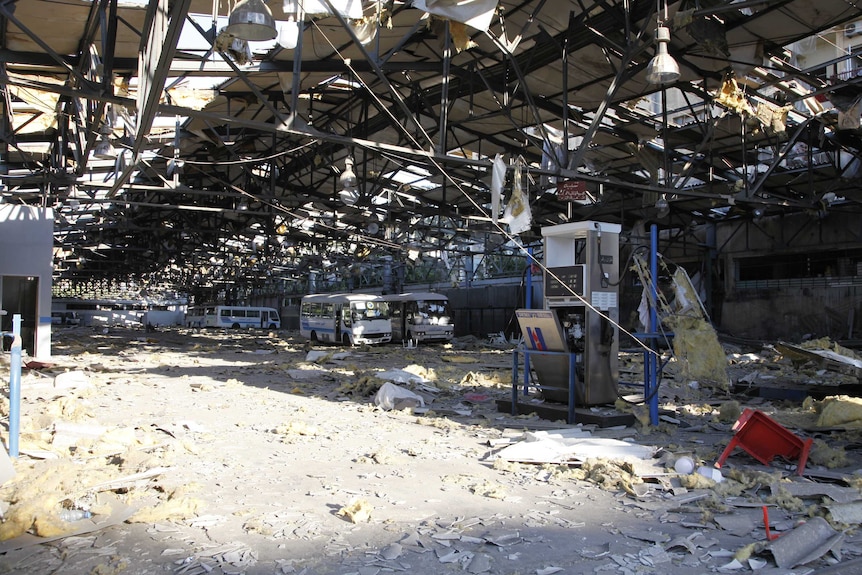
(177, 154)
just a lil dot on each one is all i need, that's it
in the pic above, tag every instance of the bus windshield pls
(434, 312)
(365, 310)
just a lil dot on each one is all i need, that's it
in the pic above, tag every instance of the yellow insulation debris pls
(840, 411)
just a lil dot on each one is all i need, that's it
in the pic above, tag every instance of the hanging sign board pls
(572, 190)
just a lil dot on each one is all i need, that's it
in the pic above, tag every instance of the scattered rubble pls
(194, 453)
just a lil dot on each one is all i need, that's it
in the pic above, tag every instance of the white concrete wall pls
(26, 249)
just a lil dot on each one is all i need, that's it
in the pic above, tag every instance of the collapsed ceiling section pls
(356, 133)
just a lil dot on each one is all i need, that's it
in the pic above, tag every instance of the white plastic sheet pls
(474, 13)
(498, 178)
(389, 395)
(518, 214)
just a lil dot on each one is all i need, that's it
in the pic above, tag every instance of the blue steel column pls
(528, 303)
(514, 381)
(573, 359)
(653, 327)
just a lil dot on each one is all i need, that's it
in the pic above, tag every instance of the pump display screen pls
(572, 277)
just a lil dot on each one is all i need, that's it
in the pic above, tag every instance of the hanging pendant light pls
(662, 207)
(252, 21)
(662, 69)
(348, 178)
(349, 193)
(104, 149)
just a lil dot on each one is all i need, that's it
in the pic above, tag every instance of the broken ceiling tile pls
(557, 434)
(391, 551)
(732, 566)
(465, 523)
(805, 543)
(551, 451)
(449, 555)
(641, 489)
(687, 497)
(479, 563)
(646, 535)
(595, 551)
(548, 570)
(654, 555)
(802, 490)
(682, 541)
(847, 513)
(447, 536)
(738, 523)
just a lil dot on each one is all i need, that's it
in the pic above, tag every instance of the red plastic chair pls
(764, 438)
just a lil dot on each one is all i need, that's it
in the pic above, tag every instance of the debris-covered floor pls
(243, 452)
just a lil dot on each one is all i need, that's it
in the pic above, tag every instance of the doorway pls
(20, 295)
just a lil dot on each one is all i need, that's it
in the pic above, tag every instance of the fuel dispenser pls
(582, 261)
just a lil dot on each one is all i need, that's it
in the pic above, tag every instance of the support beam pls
(165, 21)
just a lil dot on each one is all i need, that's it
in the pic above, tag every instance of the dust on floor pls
(252, 452)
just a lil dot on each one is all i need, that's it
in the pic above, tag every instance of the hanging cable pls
(479, 208)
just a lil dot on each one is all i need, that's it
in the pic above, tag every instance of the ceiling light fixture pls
(662, 69)
(347, 179)
(349, 193)
(662, 206)
(104, 149)
(252, 20)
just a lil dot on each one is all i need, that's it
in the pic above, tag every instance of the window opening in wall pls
(753, 271)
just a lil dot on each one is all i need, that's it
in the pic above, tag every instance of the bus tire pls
(314, 336)
(272, 326)
(235, 326)
(345, 339)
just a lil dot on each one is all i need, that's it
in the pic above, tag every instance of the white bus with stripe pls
(348, 318)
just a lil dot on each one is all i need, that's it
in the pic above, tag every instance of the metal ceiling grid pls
(422, 108)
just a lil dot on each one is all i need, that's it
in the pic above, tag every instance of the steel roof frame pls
(408, 99)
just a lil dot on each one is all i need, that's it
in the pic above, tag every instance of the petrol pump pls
(580, 288)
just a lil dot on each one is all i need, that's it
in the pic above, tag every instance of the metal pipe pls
(651, 392)
(15, 386)
(573, 362)
(528, 303)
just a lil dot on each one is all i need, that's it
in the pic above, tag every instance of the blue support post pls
(573, 377)
(651, 389)
(515, 382)
(528, 304)
(15, 386)
(573, 362)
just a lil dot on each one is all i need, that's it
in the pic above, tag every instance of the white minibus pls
(232, 316)
(348, 318)
(420, 316)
